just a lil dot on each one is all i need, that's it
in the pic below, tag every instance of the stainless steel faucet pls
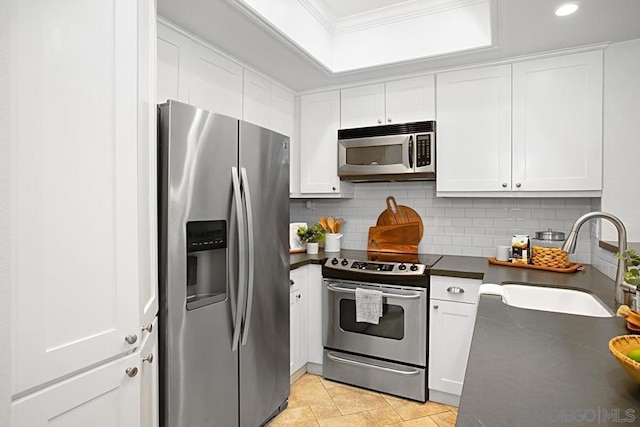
(570, 247)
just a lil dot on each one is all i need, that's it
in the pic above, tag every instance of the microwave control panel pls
(423, 149)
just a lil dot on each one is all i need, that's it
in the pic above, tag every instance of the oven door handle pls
(368, 365)
(384, 294)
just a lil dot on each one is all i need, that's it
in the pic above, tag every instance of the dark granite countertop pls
(534, 368)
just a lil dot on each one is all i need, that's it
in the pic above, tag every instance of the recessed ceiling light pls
(566, 9)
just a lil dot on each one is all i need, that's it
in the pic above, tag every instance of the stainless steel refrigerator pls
(224, 269)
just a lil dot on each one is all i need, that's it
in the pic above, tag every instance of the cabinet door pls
(410, 100)
(256, 100)
(319, 122)
(314, 314)
(215, 82)
(294, 331)
(557, 123)
(362, 106)
(474, 116)
(282, 111)
(105, 396)
(450, 330)
(149, 389)
(74, 165)
(172, 73)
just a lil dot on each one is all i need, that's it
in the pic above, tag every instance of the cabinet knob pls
(518, 185)
(435, 307)
(148, 327)
(131, 338)
(504, 185)
(298, 296)
(333, 188)
(291, 282)
(379, 121)
(132, 372)
(389, 120)
(148, 359)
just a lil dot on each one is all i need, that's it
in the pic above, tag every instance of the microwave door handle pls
(411, 152)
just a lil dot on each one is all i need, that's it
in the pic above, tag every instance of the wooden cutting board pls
(399, 214)
(398, 238)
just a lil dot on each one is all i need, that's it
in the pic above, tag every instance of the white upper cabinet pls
(534, 128)
(557, 123)
(75, 168)
(473, 139)
(267, 104)
(410, 100)
(362, 106)
(173, 54)
(215, 82)
(399, 101)
(319, 123)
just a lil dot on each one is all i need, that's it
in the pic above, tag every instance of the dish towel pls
(368, 305)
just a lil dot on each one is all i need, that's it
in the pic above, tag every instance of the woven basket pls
(619, 347)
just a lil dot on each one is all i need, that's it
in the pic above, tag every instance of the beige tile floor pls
(315, 401)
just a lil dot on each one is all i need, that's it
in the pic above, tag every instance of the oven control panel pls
(376, 267)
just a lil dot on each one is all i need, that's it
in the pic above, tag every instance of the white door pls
(294, 331)
(215, 82)
(450, 332)
(74, 163)
(282, 111)
(108, 396)
(473, 142)
(557, 123)
(172, 72)
(410, 100)
(256, 100)
(149, 379)
(362, 106)
(314, 315)
(319, 123)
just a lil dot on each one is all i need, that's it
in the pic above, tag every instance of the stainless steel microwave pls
(399, 152)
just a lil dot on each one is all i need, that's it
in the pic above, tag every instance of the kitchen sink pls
(544, 298)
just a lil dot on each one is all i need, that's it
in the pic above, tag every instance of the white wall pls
(452, 226)
(621, 192)
(5, 215)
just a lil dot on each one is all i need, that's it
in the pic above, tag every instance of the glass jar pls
(546, 250)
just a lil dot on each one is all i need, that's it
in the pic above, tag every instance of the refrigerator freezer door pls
(264, 355)
(199, 371)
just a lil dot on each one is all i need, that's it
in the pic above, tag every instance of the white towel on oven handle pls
(368, 305)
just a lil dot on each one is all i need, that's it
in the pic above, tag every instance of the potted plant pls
(632, 275)
(311, 236)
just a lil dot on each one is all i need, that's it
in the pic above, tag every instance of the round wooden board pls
(386, 218)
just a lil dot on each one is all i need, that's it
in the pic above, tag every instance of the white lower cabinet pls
(452, 318)
(149, 375)
(314, 319)
(105, 396)
(298, 319)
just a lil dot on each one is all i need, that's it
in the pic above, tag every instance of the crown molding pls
(400, 12)
(321, 12)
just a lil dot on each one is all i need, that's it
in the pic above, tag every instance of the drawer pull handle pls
(455, 290)
(368, 365)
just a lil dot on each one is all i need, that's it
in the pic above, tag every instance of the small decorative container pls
(619, 347)
(546, 250)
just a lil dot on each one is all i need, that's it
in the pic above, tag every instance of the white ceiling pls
(523, 27)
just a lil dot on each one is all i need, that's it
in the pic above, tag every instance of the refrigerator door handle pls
(251, 256)
(237, 323)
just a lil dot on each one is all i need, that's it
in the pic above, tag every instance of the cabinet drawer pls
(455, 289)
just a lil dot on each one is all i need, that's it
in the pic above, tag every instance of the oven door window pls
(391, 324)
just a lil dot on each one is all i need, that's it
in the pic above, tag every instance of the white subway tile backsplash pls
(456, 226)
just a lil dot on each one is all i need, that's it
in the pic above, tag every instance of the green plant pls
(313, 234)
(632, 275)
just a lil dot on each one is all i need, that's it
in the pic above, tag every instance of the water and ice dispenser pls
(206, 263)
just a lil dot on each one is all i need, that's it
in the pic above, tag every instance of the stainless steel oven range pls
(390, 356)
